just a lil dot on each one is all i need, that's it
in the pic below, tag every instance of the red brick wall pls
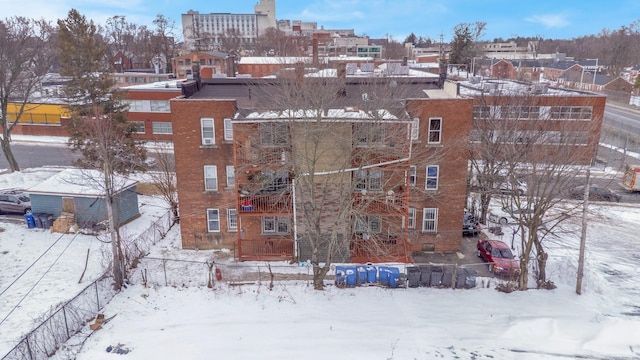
(191, 157)
(451, 156)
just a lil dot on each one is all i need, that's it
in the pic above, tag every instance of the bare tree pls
(542, 140)
(164, 178)
(340, 152)
(231, 41)
(27, 52)
(164, 39)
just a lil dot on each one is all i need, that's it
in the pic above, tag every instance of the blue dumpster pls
(383, 275)
(351, 274)
(394, 277)
(31, 223)
(362, 274)
(372, 274)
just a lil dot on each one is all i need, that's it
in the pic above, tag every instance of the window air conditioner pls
(207, 141)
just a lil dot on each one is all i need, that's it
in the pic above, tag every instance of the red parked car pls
(500, 258)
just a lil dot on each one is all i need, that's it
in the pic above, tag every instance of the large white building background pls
(206, 30)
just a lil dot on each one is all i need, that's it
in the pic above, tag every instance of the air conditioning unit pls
(207, 141)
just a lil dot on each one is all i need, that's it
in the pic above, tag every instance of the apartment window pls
(369, 180)
(413, 170)
(412, 218)
(206, 125)
(228, 130)
(138, 127)
(135, 105)
(435, 130)
(481, 112)
(429, 219)
(213, 220)
(432, 177)
(232, 220)
(160, 106)
(275, 133)
(367, 134)
(274, 180)
(161, 127)
(275, 225)
(415, 129)
(368, 225)
(231, 177)
(210, 178)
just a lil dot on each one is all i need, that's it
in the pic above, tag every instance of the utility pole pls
(583, 235)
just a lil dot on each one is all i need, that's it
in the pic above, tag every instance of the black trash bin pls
(447, 276)
(44, 219)
(436, 276)
(38, 220)
(470, 279)
(425, 275)
(413, 276)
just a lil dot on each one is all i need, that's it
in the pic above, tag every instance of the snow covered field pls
(294, 321)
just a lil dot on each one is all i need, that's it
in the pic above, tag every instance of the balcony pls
(389, 203)
(379, 249)
(269, 249)
(262, 156)
(269, 203)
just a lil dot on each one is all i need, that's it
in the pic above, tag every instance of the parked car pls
(506, 215)
(596, 193)
(500, 258)
(517, 186)
(14, 201)
(470, 226)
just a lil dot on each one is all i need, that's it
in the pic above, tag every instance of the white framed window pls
(413, 170)
(228, 130)
(431, 183)
(213, 220)
(161, 127)
(208, 131)
(275, 133)
(135, 105)
(275, 225)
(429, 219)
(160, 106)
(368, 134)
(435, 130)
(210, 178)
(369, 180)
(367, 224)
(232, 220)
(231, 176)
(411, 223)
(415, 129)
(138, 127)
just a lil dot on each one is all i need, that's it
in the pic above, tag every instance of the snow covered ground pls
(294, 321)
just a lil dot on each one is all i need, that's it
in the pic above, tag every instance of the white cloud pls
(549, 20)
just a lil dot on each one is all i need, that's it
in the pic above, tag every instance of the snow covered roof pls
(348, 113)
(79, 183)
(273, 60)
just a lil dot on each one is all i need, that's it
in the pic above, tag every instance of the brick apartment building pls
(236, 184)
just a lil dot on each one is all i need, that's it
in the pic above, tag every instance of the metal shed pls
(81, 192)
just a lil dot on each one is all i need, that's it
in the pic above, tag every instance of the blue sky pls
(375, 18)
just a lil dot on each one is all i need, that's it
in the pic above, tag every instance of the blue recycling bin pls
(383, 275)
(341, 276)
(362, 274)
(372, 274)
(394, 277)
(351, 274)
(31, 223)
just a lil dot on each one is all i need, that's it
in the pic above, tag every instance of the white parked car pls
(507, 215)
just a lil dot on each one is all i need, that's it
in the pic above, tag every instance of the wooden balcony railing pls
(280, 203)
(387, 249)
(268, 249)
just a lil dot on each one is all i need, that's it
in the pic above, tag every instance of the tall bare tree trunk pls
(8, 153)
